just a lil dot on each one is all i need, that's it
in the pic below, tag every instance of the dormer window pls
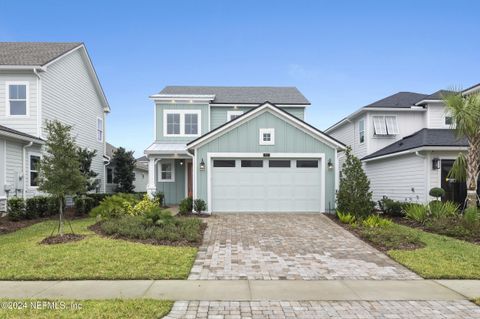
(385, 125)
(182, 123)
(17, 103)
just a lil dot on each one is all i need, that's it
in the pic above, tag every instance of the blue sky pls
(340, 54)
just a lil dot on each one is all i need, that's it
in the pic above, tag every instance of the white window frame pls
(394, 129)
(102, 129)
(30, 154)
(182, 122)
(270, 131)
(379, 125)
(230, 113)
(361, 131)
(172, 163)
(7, 98)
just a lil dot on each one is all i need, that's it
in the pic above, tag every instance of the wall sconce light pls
(202, 165)
(181, 162)
(330, 164)
(436, 163)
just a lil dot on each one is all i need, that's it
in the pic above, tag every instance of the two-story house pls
(241, 149)
(42, 81)
(407, 145)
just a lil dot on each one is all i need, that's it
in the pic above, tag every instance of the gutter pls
(416, 150)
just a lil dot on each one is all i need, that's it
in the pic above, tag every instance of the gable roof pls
(398, 100)
(252, 113)
(423, 138)
(241, 94)
(33, 53)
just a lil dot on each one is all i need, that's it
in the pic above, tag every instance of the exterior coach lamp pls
(202, 165)
(181, 162)
(436, 163)
(330, 164)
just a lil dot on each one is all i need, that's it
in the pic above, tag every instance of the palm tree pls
(465, 113)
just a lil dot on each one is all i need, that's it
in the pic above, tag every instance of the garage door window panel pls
(307, 163)
(279, 163)
(252, 163)
(224, 163)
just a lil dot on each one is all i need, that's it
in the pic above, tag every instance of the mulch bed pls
(357, 232)
(97, 228)
(58, 239)
(8, 226)
(194, 215)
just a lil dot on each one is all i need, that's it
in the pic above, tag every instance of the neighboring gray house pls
(140, 170)
(406, 144)
(241, 149)
(46, 81)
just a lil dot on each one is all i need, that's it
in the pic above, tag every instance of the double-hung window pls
(99, 129)
(166, 171)
(182, 123)
(34, 161)
(385, 125)
(17, 102)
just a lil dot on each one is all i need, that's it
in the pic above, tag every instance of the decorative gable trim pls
(307, 128)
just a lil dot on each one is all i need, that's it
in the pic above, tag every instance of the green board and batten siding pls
(288, 139)
(174, 191)
(218, 114)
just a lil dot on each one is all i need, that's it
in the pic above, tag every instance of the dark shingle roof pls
(33, 53)
(400, 100)
(15, 132)
(424, 137)
(142, 159)
(243, 94)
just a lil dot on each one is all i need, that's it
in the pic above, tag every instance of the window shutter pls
(392, 126)
(379, 125)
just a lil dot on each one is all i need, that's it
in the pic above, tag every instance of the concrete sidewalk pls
(252, 290)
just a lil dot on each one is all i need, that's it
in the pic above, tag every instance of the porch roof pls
(167, 148)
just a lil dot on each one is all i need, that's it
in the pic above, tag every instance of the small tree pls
(85, 157)
(60, 167)
(124, 163)
(354, 195)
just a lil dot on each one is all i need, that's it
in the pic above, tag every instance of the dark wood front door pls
(189, 179)
(454, 191)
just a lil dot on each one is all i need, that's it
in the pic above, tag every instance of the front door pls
(189, 179)
(454, 191)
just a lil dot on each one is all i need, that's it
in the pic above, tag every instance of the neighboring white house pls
(140, 171)
(42, 81)
(406, 144)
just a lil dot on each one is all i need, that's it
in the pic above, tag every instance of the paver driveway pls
(288, 246)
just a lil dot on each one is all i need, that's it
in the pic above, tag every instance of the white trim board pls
(211, 155)
(259, 110)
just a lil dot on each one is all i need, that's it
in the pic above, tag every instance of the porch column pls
(152, 186)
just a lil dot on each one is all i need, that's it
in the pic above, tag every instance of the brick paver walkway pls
(288, 246)
(325, 309)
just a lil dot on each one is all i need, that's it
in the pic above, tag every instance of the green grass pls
(99, 309)
(95, 257)
(441, 258)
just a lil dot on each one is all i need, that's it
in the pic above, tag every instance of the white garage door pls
(266, 185)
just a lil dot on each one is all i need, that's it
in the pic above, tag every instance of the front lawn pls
(430, 255)
(79, 309)
(94, 257)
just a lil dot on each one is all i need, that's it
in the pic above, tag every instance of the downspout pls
(105, 164)
(24, 168)
(194, 173)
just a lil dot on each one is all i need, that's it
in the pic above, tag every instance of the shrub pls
(16, 209)
(136, 227)
(416, 212)
(185, 206)
(42, 205)
(442, 210)
(354, 193)
(159, 198)
(346, 218)
(144, 206)
(83, 204)
(158, 217)
(53, 205)
(31, 208)
(471, 218)
(114, 206)
(391, 207)
(199, 205)
(437, 192)
(97, 197)
(374, 221)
